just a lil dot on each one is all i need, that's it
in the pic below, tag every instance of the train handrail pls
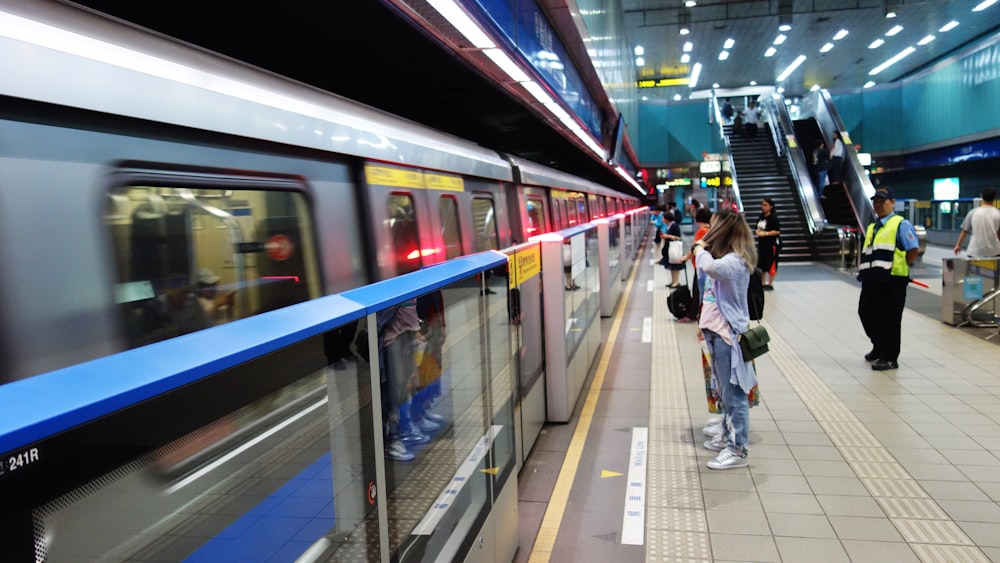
(38, 407)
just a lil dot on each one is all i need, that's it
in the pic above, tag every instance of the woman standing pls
(768, 229)
(836, 171)
(671, 232)
(725, 257)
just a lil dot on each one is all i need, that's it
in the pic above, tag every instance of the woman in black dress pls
(768, 229)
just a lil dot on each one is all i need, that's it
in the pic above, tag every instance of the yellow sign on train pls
(524, 265)
(441, 182)
(394, 177)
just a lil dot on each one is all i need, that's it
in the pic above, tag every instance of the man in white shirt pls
(984, 225)
(751, 117)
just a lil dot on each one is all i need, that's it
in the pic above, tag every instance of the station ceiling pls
(753, 26)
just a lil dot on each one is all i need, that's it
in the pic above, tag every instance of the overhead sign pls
(710, 167)
(662, 82)
(716, 181)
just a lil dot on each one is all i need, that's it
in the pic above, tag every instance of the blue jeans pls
(736, 418)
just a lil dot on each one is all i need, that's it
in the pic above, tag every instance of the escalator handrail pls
(781, 127)
(859, 186)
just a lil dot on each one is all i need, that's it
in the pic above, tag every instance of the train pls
(139, 175)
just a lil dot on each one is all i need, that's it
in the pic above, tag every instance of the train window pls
(536, 216)
(581, 208)
(190, 258)
(574, 218)
(403, 228)
(485, 222)
(450, 231)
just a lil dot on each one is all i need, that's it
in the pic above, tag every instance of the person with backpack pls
(725, 258)
(727, 112)
(702, 218)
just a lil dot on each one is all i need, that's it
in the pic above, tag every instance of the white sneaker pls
(712, 429)
(728, 459)
(426, 425)
(716, 444)
(715, 420)
(398, 451)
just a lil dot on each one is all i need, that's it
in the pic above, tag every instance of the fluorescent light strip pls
(465, 25)
(876, 44)
(780, 39)
(770, 52)
(639, 61)
(948, 26)
(723, 55)
(538, 92)
(869, 84)
(688, 46)
(506, 64)
(926, 40)
(895, 29)
(728, 44)
(685, 58)
(695, 73)
(983, 5)
(791, 68)
(900, 56)
(826, 48)
(840, 35)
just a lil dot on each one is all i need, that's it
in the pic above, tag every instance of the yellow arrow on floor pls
(492, 470)
(605, 474)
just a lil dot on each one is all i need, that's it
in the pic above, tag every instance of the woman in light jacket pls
(725, 257)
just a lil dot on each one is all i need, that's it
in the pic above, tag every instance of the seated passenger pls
(218, 306)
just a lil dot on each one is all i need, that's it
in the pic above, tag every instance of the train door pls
(536, 215)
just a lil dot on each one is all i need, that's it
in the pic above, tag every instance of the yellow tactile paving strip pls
(918, 518)
(676, 525)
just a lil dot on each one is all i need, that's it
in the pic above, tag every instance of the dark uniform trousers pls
(881, 311)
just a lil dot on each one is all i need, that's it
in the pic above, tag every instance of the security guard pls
(890, 248)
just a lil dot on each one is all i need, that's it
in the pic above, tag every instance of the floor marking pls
(634, 519)
(605, 474)
(649, 285)
(647, 329)
(545, 541)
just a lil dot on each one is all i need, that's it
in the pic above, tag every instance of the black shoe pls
(871, 356)
(882, 365)
(768, 287)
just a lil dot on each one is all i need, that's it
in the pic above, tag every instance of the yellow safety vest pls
(879, 257)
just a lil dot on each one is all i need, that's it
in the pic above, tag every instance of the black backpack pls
(755, 295)
(679, 301)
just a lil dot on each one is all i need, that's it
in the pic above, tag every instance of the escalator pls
(835, 200)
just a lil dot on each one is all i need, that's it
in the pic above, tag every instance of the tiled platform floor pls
(847, 464)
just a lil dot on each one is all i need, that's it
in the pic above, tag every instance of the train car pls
(149, 189)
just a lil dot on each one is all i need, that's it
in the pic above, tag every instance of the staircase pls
(761, 173)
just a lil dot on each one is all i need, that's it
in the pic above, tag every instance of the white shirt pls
(982, 223)
(838, 149)
(750, 115)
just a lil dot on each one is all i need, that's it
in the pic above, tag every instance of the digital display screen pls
(945, 188)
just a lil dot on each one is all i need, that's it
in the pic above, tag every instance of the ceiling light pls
(926, 40)
(949, 26)
(685, 58)
(895, 29)
(869, 84)
(639, 61)
(690, 3)
(781, 89)
(506, 64)
(840, 35)
(791, 68)
(753, 82)
(465, 25)
(688, 46)
(639, 51)
(815, 88)
(723, 55)
(677, 97)
(983, 5)
(898, 57)
(770, 52)
(890, 14)
(780, 39)
(784, 27)
(876, 44)
(695, 73)
(729, 43)
(645, 99)
(538, 92)
(826, 48)
(715, 85)
(684, 31)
